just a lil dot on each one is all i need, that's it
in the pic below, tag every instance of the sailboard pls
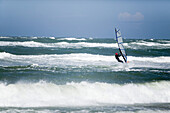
(119, 40)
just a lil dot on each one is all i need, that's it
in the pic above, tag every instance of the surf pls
(82, 94)
(83, 60)
(57, 44)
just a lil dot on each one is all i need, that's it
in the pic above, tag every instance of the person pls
(117, 57)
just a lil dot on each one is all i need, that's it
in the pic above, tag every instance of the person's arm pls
(119, 55)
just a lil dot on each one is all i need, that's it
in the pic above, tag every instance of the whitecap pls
(52, 37)
(58, 44)
(83, 59)
(82, 94)
(70, 39)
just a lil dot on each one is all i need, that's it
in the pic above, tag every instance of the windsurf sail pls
(119, 40)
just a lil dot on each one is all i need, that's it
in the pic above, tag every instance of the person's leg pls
(120, 61)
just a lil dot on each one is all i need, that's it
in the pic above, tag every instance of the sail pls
(119, 40)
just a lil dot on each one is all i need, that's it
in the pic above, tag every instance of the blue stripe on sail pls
(120, 43)
(122, 49)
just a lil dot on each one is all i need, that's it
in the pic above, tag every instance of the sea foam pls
(70, 39)
(156, 45)
(58, 44)
(82, 94)
(83, 59)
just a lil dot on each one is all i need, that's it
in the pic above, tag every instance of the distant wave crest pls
(58, 44)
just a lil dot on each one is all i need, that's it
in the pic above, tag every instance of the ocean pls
(60, 74)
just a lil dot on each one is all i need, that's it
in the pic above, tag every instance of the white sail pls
(119, 40)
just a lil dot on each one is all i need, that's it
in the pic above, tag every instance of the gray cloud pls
(130, 17)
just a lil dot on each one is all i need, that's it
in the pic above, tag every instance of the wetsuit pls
(117, 58)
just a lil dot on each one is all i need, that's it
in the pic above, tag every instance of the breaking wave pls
(154, 45)
(160, 44)
(79, 39)
(58, 44)
(82, 94)
(84, 59)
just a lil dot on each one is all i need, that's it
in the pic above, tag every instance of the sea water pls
(60, 74)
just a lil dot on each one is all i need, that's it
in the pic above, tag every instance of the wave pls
(160, 59)
(82, 94)
(86, 57)
(25, 44)
(148, 44)
(4, 37)
(82, 59)
(108, 109)
(51, 37)
(164, 41)
(58, 44)
(132, 45)
(71, 39)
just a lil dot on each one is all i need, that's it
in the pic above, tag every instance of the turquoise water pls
(49, 74)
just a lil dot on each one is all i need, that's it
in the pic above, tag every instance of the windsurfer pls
(117, 57)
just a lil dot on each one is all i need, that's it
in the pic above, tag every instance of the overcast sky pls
(85, 18)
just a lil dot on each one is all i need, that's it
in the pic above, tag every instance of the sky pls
(85, 18)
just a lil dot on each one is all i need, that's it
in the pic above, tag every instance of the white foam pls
(5, 55)
(84, 110)
(133, 45)
(70, 39)
(166, 41)
(52, 37)
(58, 44)
(34, 37)
(4, 37)
(144, 111)
(82, 94)
(161, 62)
(160, 59)
(150, 44)
(25, 44)
(82, 59)
(58, 60)
(90, 38)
